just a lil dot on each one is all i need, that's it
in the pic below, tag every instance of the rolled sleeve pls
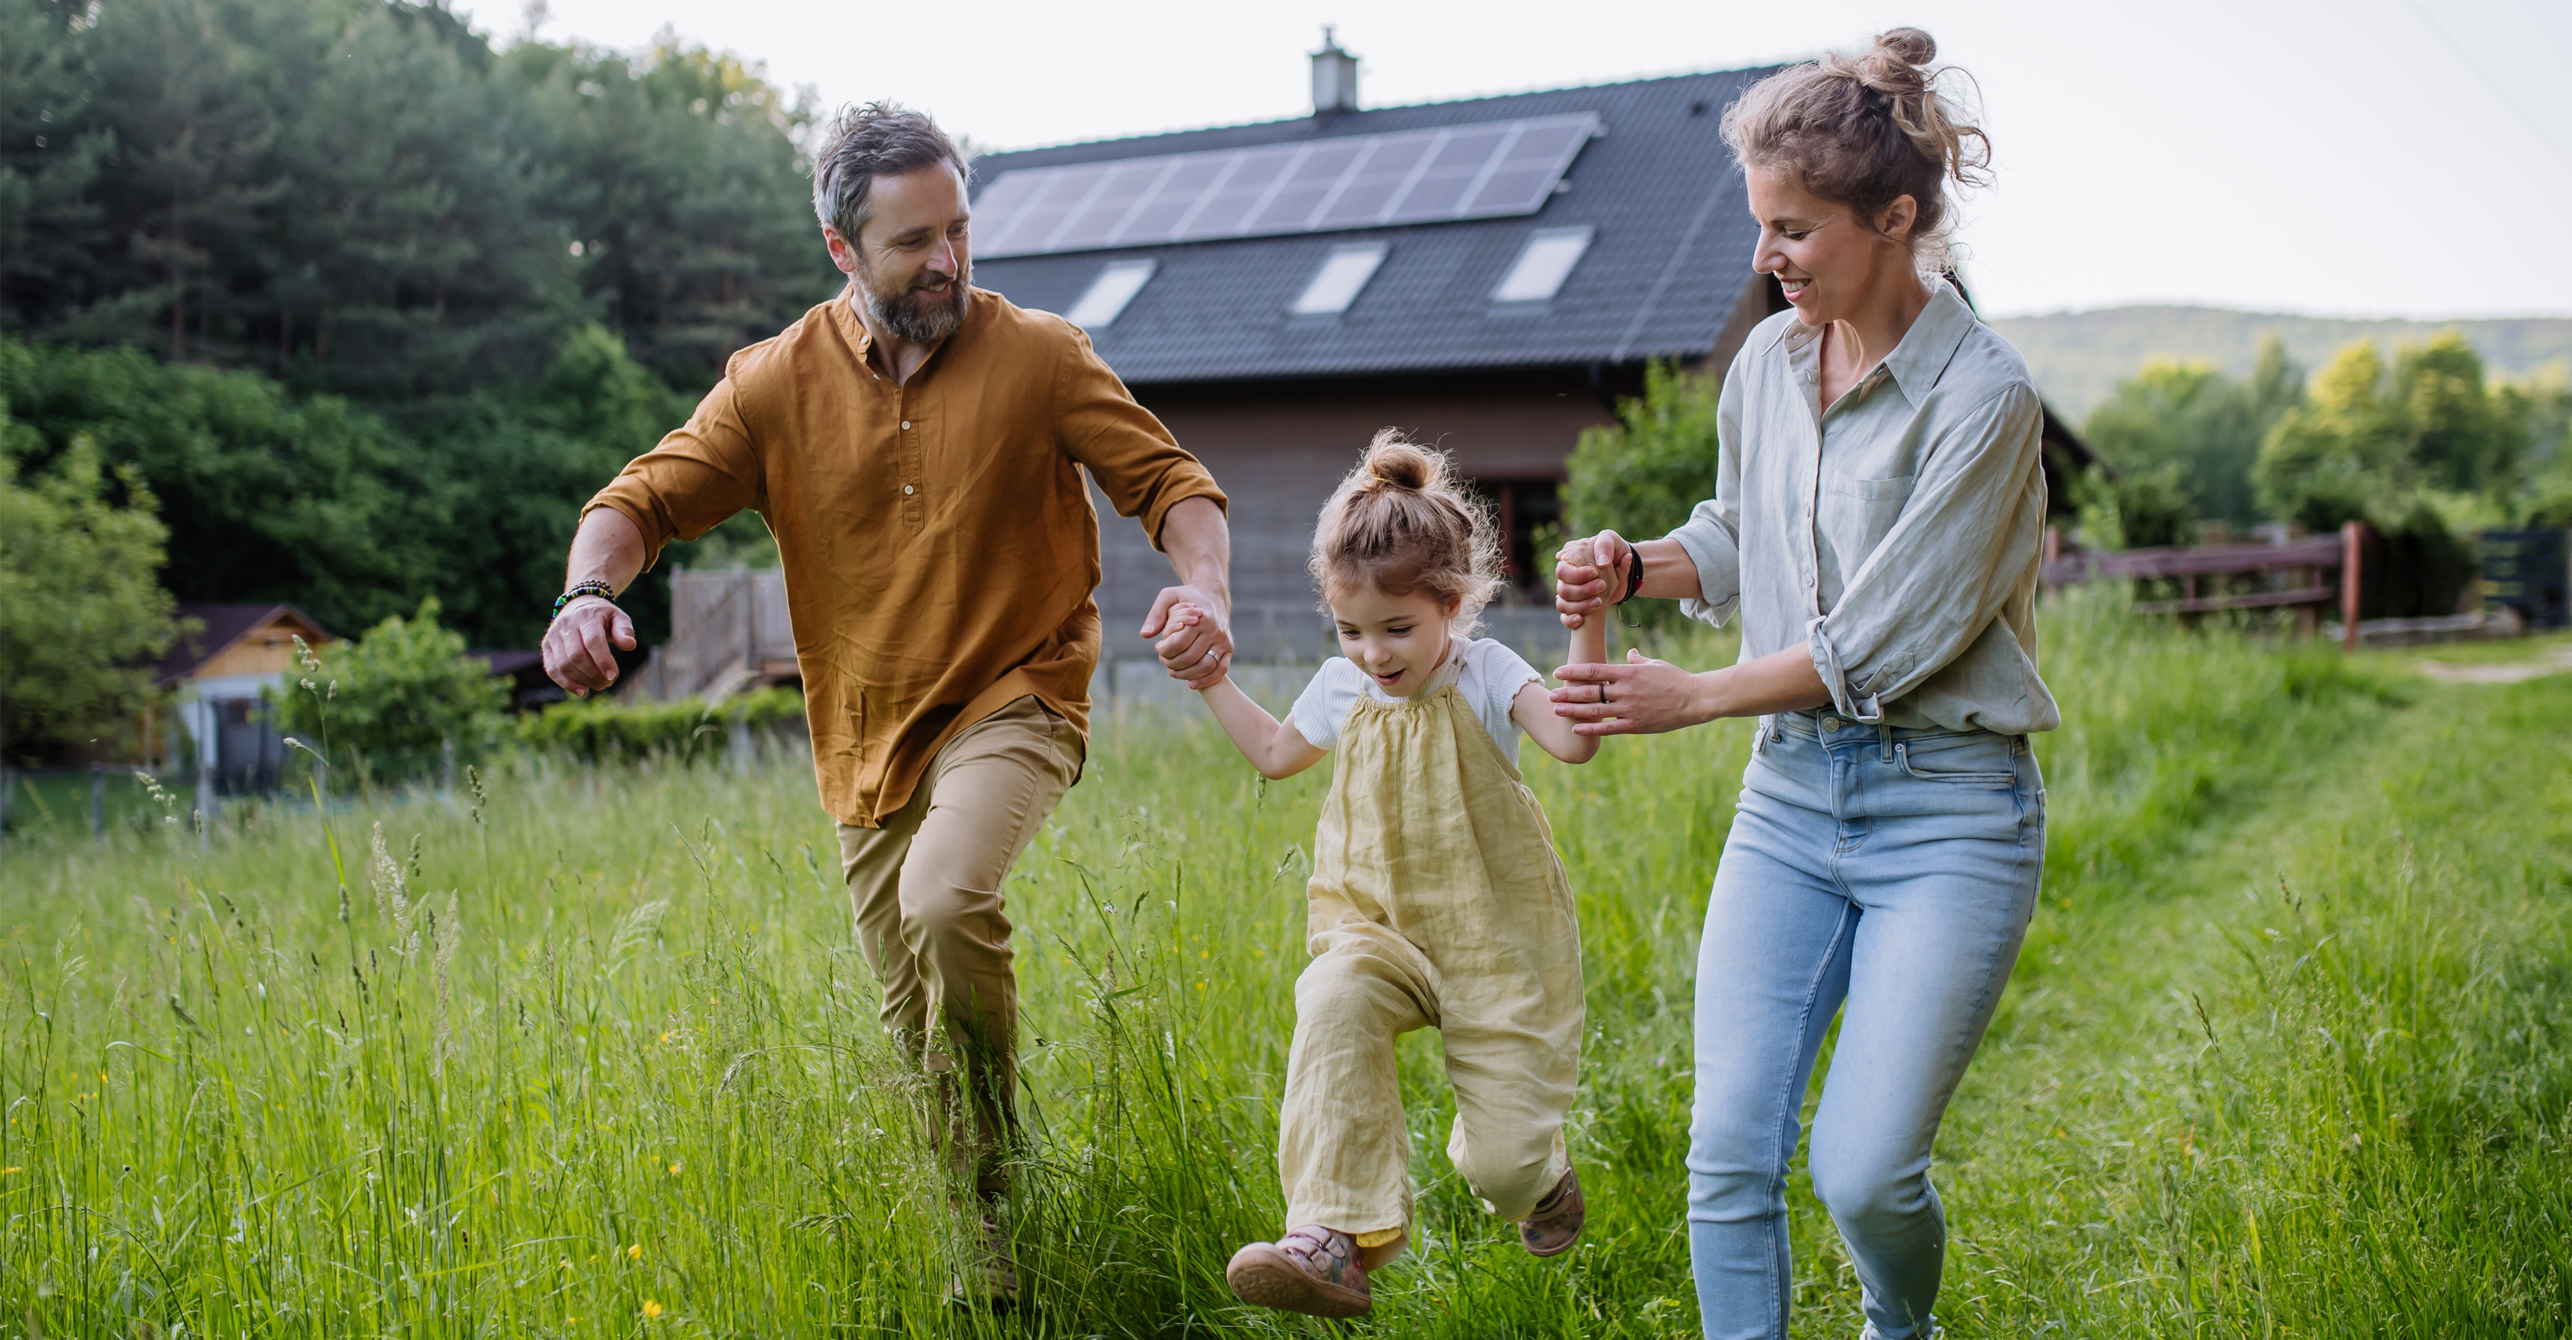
(704, 471)
(1712, 539)
(1969, 532)
(1136, 462)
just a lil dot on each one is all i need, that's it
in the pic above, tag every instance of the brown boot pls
(990, 1278)
(1555, 1224)
(1312, 1270)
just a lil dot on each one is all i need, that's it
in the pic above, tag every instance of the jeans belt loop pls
(1884, 738)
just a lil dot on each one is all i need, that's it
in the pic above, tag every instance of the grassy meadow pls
(591, 1053)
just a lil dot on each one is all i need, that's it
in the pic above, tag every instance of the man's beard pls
(919, 315)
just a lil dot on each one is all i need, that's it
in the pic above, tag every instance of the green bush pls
(2144, 508)
(601, 729)
(1640, 476)
(80, 616)
(391, 701)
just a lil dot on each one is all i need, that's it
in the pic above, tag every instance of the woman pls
(1876, 522)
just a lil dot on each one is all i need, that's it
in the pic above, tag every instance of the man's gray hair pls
(878, 139)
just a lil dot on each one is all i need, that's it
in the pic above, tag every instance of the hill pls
(2079, 357)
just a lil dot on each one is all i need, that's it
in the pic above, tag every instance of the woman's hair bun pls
(1901, 57)
(1395, 460)
(1866, 128)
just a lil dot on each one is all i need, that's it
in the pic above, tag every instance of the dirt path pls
(2554, 661)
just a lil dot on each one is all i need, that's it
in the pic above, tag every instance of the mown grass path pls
(2307, 1078)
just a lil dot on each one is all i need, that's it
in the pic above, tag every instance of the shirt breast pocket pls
(1857, 512)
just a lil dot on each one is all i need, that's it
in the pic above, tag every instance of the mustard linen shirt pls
(938, 545)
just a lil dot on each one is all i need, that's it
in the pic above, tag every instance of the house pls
(1491, 274)
(216, 675)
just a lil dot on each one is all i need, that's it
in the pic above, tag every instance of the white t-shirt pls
(1488, 674)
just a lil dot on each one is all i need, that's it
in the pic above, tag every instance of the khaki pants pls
(930, 919)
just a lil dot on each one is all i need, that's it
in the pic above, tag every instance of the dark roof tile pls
(1669, 260)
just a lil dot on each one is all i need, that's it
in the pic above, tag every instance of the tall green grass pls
(590, 1052)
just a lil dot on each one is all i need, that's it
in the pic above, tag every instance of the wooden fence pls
(2289, 575)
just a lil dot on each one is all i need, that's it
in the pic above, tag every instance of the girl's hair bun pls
(1394, 460)
(1404, 521)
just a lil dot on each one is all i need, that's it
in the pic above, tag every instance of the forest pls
(367, 301)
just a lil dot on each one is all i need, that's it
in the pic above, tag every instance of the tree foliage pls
(1641, 475)
(2189, 422)
(80, 614)
(272, 495)
(368, 198)
(371, 305)
(394, 698)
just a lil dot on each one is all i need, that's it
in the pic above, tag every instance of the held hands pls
(581, 643)
(1195, 638)
(1589, 574)
(1641, 697)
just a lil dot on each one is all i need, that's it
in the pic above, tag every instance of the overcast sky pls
(2341, 158)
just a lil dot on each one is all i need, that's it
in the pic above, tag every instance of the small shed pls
(217, 673)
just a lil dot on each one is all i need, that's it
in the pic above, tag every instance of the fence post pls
(2352, 546)
(205, 760)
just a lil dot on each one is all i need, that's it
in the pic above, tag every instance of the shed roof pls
(1666, 266)
(222, 624)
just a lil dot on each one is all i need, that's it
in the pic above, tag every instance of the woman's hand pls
(1587, 573)
(1641, 697)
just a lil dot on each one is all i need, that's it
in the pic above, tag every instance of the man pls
(916, 445)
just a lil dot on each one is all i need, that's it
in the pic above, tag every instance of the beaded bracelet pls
(592, 587)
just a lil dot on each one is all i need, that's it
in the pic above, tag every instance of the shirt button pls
(907, 490)
(906, 425)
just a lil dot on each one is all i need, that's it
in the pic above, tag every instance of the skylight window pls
(1341, 277)
(1542, 267)
(1116, 285)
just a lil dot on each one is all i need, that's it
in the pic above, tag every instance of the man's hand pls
(1587, 573)
(1195, 634)
(580, 644)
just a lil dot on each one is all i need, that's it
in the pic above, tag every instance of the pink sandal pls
(1555, 1224)
(1312, 1270)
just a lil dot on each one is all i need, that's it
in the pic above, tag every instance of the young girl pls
(1437, 899)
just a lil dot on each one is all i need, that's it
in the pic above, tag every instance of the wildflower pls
(650, 1309)
(674, 1170)
(18, 1168)
(634, 1253)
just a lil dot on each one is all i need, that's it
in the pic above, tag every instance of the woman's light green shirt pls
(1896, 535)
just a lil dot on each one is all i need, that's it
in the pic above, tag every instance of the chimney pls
(1334, 77)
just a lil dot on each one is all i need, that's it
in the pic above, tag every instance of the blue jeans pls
(1893, 872)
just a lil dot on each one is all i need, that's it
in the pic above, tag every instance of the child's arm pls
(1533, 709)
(1274, 747)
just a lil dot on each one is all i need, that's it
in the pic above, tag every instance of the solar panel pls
(1489, 170)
